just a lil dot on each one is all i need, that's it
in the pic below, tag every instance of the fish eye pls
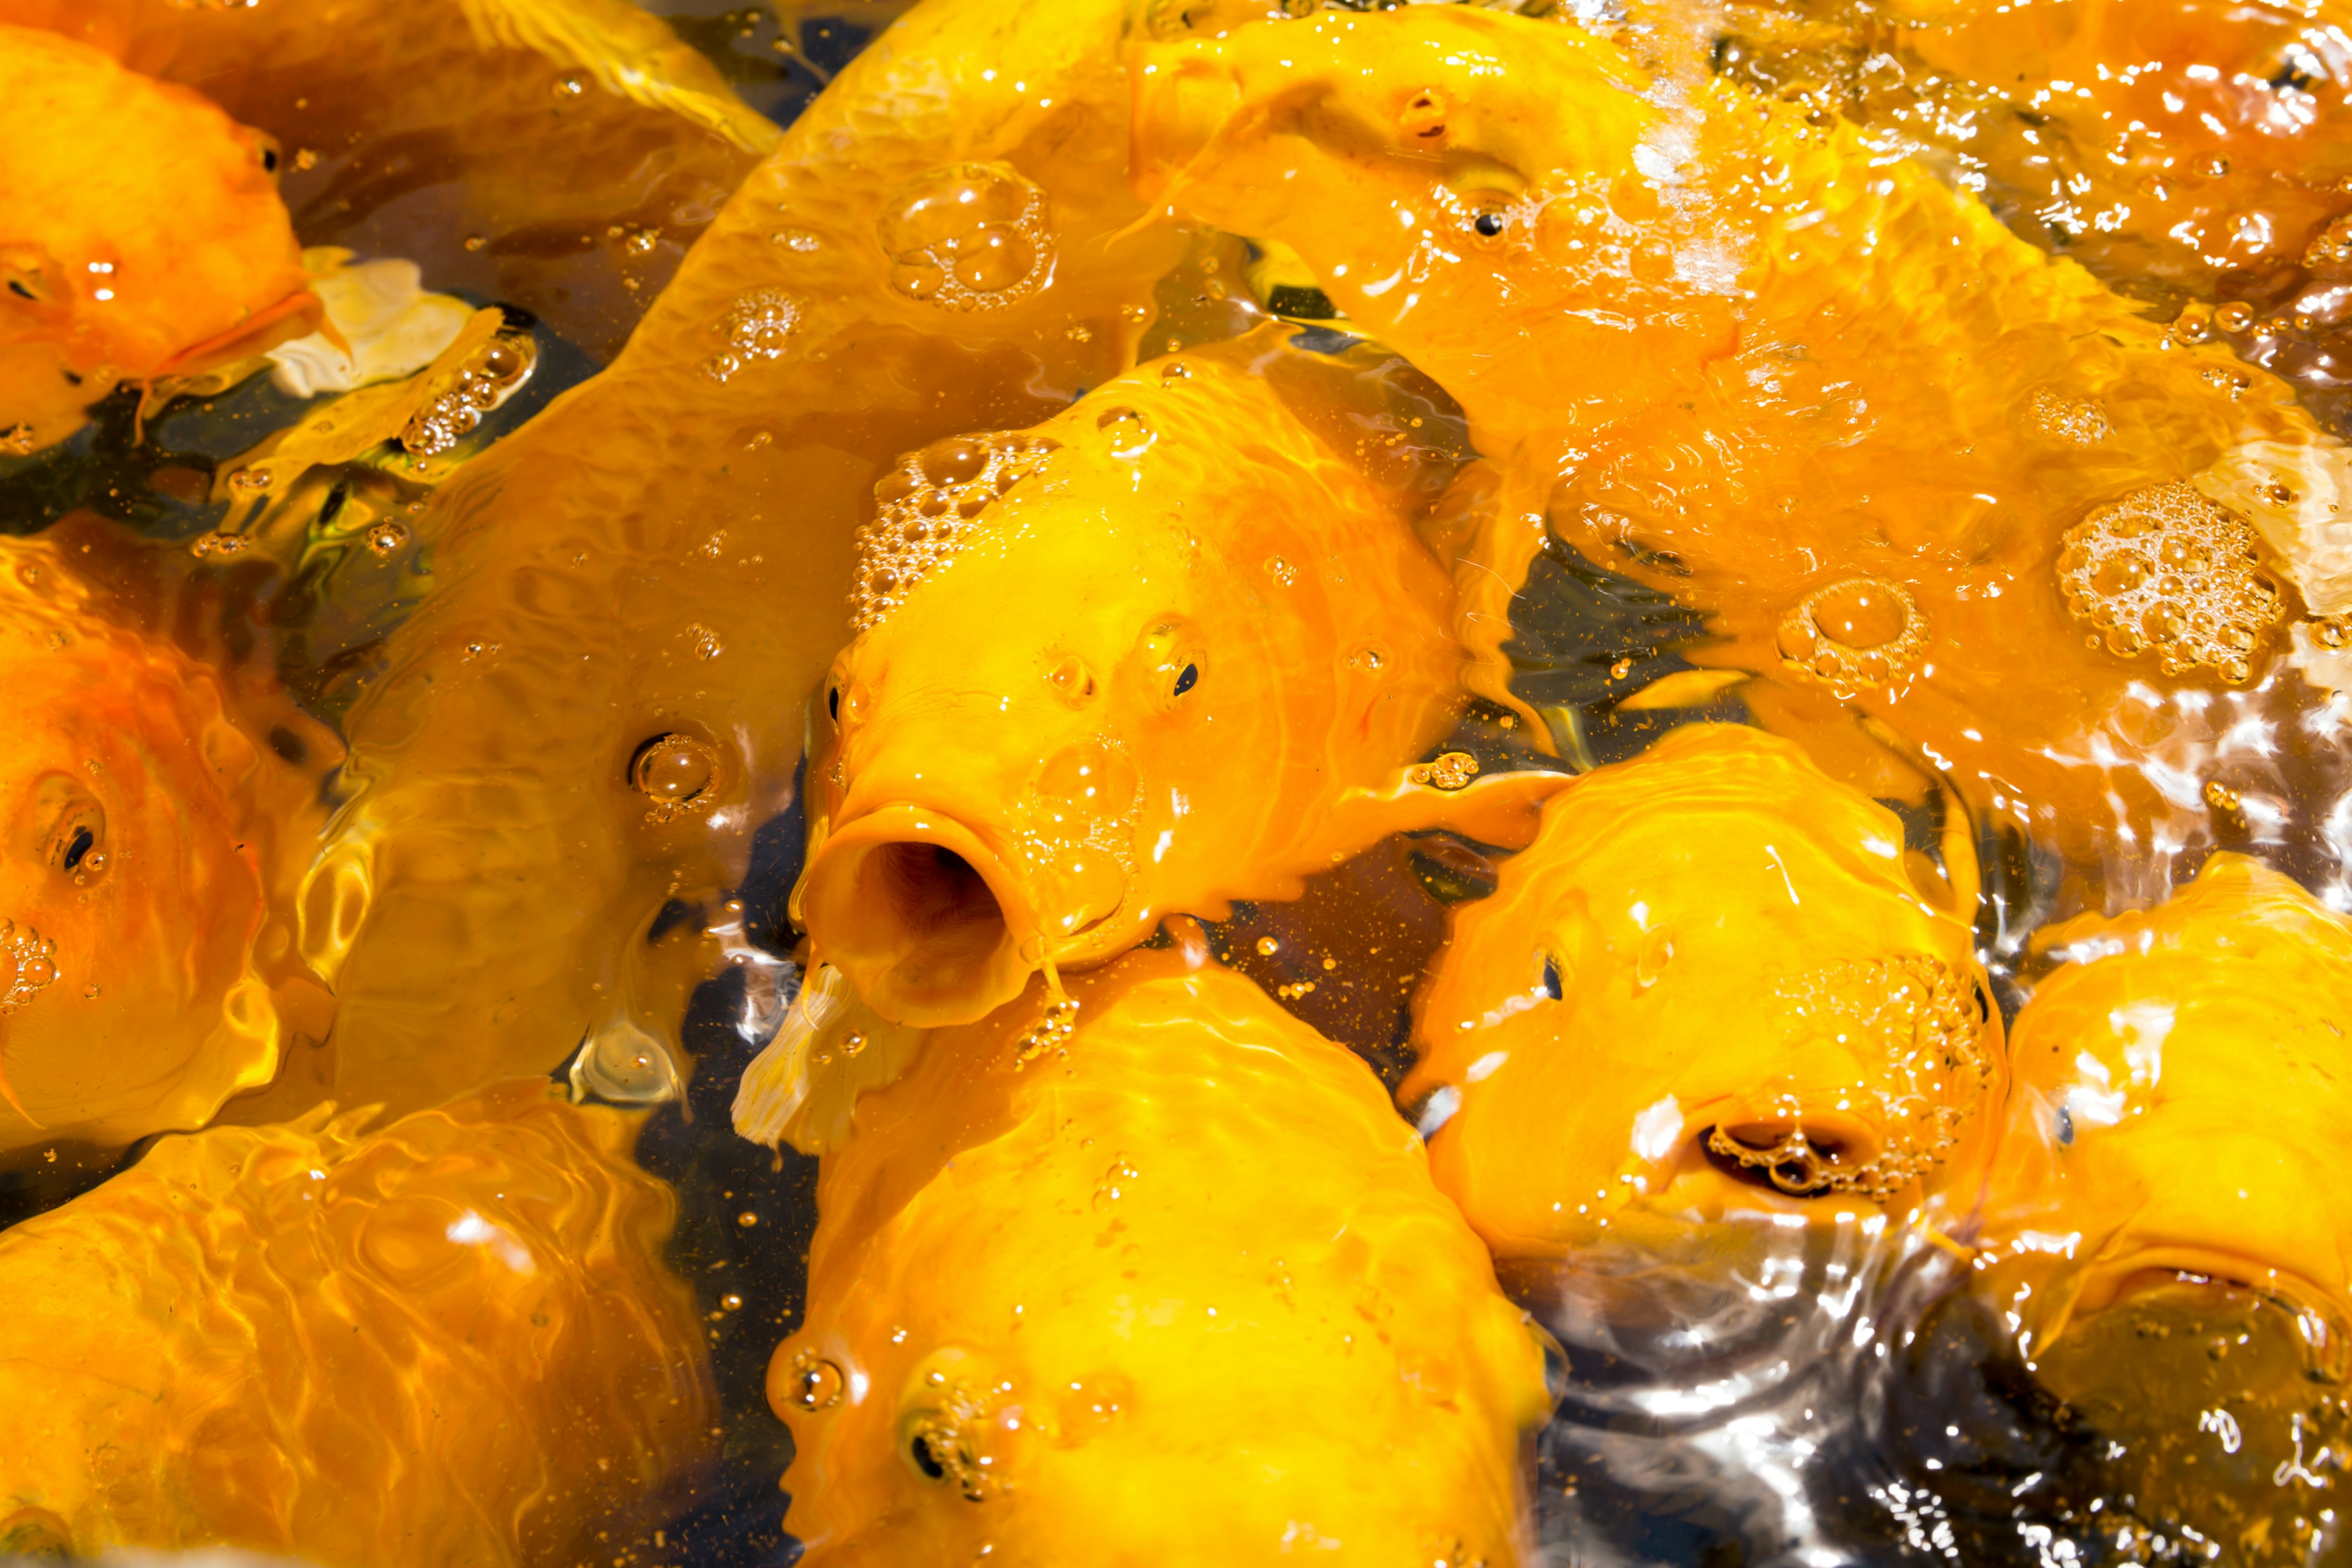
(82, 843)
(1186, 678)
(833, 703)
(1552, 988)
(1490, 222)
(918, 1451)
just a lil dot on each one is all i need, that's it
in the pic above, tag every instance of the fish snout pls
(921, 916)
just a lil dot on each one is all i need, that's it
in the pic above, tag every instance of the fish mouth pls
(1811, 1156)
(920, 916)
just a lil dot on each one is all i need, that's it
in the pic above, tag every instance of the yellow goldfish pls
(97, 288)
(1906, 462)
(2166, 1224)
(1165, 650)
(1152, 1275)
(450, 1339)
(506, 119)
(636, 595)
(160, 812)
(1715, 983)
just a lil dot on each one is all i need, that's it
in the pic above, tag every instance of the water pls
(1755, 1394)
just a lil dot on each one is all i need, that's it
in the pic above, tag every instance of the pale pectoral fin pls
(832, 1049)
(1499, 808)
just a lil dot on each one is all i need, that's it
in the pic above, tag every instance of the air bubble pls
(1130, 438)
(674, 771)
(2074, 421)
(386, 537)
(2205, 610)
(2234, 317)
(969, 237)
(815, 1384)
(2332, 245)
(928, 508)
(1860, 634)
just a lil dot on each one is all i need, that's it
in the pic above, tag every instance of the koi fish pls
(98, 287)
(450, 1339)
(507, 116)
(1715, 983)
(157, 823)
(1904, 459)
(1206, 1305)
(2162, 1225)
(944, 242)
(1165, 650)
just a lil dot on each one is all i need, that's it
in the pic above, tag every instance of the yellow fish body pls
(2165, 1225)
(1164, 650)
(670, 547)
(158, 816)
(510, 117)
(1904, 461)
(1173, 1288)
(450, 1339)
(1715, 983)
(140, 235)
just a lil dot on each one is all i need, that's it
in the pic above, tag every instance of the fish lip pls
(908, 934)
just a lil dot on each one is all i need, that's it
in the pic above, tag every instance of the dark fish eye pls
(1489, 223)
(1186, 678)
(1551, 977)
(84, 841)
(16, 286)
(833, 703)
(919, 1451)
(269, 160)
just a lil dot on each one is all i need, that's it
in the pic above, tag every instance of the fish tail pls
(629, 52)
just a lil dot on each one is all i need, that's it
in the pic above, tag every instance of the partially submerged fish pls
(158, 815)
(2166, 1224)
(141, 237)
(1201, 1303)
(559, 770)
(450, 1339)
(1905, 461)
(1717, 983)
(1165, 650)
(568, 151)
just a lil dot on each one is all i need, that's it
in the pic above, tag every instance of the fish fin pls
(802, 1087)
(1500, 808)
(8, 1093)
(630, 53)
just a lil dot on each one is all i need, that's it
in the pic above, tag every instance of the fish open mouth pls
(921, 916)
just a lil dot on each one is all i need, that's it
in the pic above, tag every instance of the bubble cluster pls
(2331, 246)
(1858, 635)
(2167, 570)
(969, 237)
(929, 506)
(1448, 771)
(488, 379)
(756, 327)
(1051, 1032)
(2077, 422)
(1927, 1020)
(675, 773)
(28, 962)
(942, 1442)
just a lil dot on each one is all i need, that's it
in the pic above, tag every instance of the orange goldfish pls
(2170, 1171)
(448, 1340)
(1905, 461)
(1151, 1274)
(98, 285)
(636, 595)
(1715, 983)
(157, 824)
(1165, 650)
(568, 151)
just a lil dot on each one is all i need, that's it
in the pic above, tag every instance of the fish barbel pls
(1717, 983)
(1150, 1275)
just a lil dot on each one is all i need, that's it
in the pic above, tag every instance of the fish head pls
(1451, 174)
(144, 236)
(2182, 1080)
(1712, 985)
(131, 890)
(1104, 669)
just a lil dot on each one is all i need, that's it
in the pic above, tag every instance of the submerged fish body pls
(450, 1339)
(156, 823)
(1165, 650)
(568, 151)
(2180, 1082)
(142, 236)
(559, 771)
(2165, 1225)
(1206, 1305)
(1904, 461)
(1717, 983)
